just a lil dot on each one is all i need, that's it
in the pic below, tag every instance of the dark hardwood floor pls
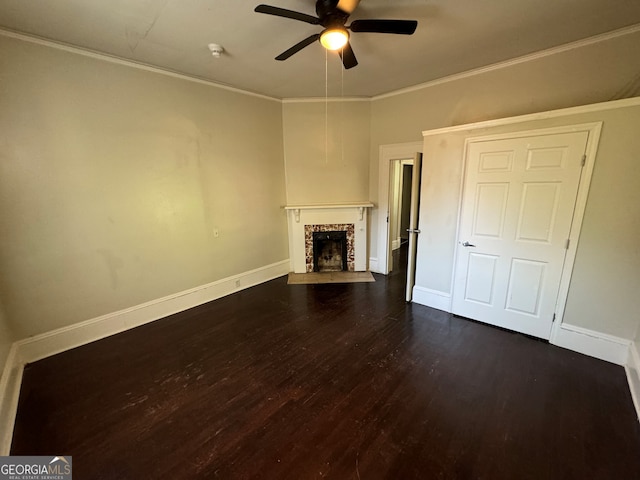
(328, 381)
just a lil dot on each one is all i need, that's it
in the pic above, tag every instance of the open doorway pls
(385, 216)
(400, 176)
(397, 250)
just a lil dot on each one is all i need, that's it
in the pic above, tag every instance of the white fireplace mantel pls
(326, 214)
(360, 206)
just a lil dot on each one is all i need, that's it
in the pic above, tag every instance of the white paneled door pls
(518, 203)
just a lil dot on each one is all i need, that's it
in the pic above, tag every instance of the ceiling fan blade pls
(298, 46)
(283, 12)
(402, 27)
(348, 57)
(347, 6)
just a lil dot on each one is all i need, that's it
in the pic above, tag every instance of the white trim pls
(451, 78)
(126, 62)
(50, 343)
(321, 206)
(432, 298)
(630, 30)
(9, 395)
(632, 369)
(65, 338)
(530, 117)
(592, 343)
(373, 265)
(534, 132)
(388, 153)
(591, 149)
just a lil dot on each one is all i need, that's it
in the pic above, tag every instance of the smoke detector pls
(216, 50)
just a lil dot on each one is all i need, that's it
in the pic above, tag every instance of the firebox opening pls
(330, 251)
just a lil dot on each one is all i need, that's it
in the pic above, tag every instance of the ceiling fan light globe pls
(334, 38)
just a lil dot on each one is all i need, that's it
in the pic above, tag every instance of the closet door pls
(518, 202)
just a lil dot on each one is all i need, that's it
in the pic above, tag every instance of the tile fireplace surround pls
(304, 219)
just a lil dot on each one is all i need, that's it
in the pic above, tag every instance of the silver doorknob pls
(410, 230)
(467, 244)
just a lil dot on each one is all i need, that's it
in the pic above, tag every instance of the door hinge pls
(566, 245)
(584, 159)
(554, 318)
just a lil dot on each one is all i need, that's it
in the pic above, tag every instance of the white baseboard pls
(66, 338)
(395, 244)
(373, 265)
(592, 343)
(56, 341)
(595, 344)
(632, 369)
(9, 393)
(432, 298)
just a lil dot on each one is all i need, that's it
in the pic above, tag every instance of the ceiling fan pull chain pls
(326, 107)
(342, 110)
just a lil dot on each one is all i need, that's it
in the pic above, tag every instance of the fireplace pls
(330, 251)
(350, 220)
(323, 254)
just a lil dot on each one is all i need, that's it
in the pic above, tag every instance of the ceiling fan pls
(333, 16)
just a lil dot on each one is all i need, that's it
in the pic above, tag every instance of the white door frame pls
(387, 154)
(401, 204)
(395, 207)
(593, 129)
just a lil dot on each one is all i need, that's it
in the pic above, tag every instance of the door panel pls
(495, 162)
(517, 208)
(538, 211)
(481, 273)
(525, 286)
(490, 209)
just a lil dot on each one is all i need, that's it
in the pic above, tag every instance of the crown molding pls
(630, 30)
(128, 63)
(529, 117)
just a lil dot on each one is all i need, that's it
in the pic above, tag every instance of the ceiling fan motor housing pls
(329, 14)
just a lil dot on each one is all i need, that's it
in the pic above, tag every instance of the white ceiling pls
(453, 36)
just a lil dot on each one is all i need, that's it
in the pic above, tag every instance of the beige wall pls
(113, 179)
(603, 294)
(6, 339)
(605, 274)
(590, 74)
(331, 168)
